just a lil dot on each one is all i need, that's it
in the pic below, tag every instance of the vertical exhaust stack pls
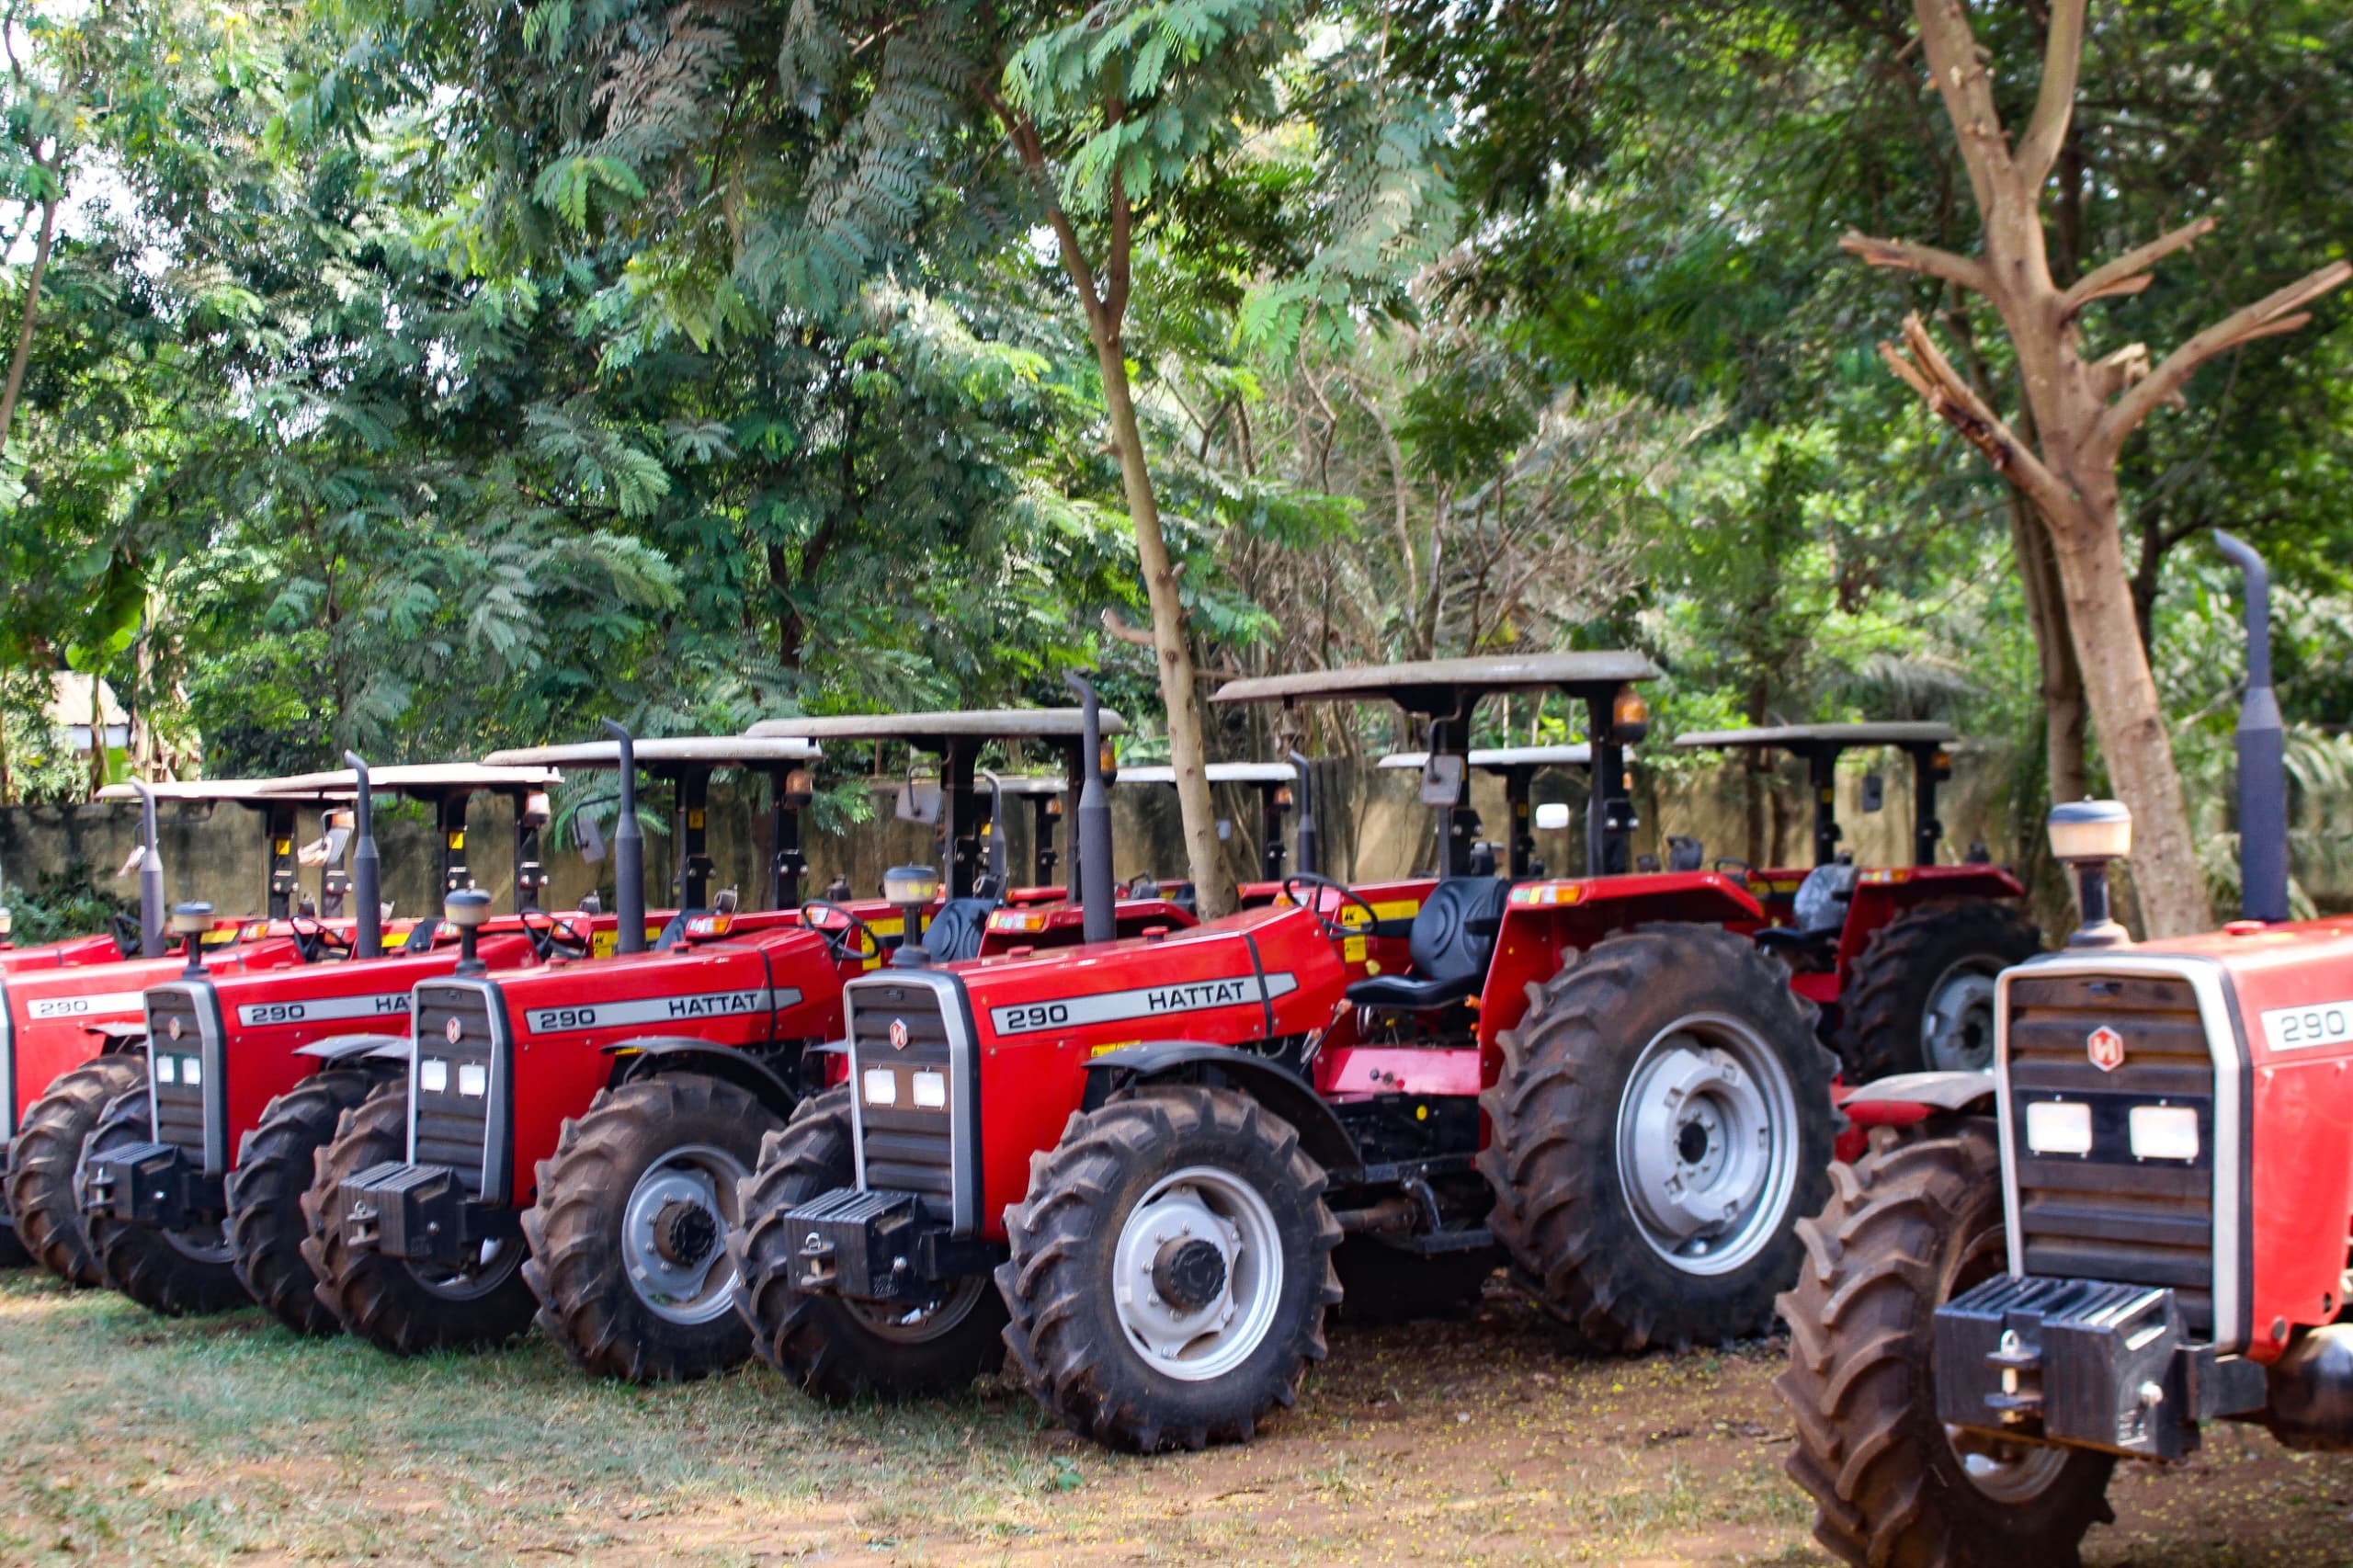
(366, 868)
(629, 851)
(2262, 751)
(1311, 851)
(1095, 890)
(150, 877)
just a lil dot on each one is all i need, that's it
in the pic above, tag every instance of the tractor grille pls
(904, 1146)
(184, 1071)
(2108, 1215)
(456, 1091)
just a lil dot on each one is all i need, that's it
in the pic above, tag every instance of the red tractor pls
(1517, 767)
(72, 1038)
(2136, 1225)
(191, 1181)
(1155, 1147)
(1900, 959)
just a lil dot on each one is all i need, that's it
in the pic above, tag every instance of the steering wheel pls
(1740, 869)
(312, 939)
(838, 942)
(128, 937)
(554, 937)
(1331, 924)
(1143, 885)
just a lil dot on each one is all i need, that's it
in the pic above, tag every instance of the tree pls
(2082, 411)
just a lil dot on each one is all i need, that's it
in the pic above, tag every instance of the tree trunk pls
(1187, 754)
(17, 360)
(2062, 678)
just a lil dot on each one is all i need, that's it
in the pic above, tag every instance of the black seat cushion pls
(955, 932)
(421, 935)
(1452, 938)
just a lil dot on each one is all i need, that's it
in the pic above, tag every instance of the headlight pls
(473, 1078)
(167, 1070)
(2164, 1132)
(433, 1075)
(931, 1090)
(2059, 1127)
(881, 1086)
(191, 1071)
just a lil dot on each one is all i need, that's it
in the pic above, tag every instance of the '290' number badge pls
(2105, 1048)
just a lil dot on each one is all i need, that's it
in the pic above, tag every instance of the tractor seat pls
(1821, 916)
(1451, 941)
(421, 935)
(955, 932)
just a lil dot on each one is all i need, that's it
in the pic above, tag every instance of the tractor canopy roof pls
(1446, 686)
(1809, 737)
(1016, 784)
(934, 732)
(244, 792)
(428, 779)
(1220, 772)
(1503, 759)
(660, 752)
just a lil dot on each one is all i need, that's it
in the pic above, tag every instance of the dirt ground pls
(127, 1439)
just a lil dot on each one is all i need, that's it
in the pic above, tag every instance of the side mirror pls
(1554, 816)
(918, 803)
(1874, 792)
(1442, 780)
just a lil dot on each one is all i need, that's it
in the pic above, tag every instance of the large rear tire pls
(274, 1169)
(1661, 1121)
(629, 1238)
(1920, 997)
(1918, 1222)
(47, 1154)
(405, 1308)
(183, 1273)
(835, 1349)
(1171, 1270)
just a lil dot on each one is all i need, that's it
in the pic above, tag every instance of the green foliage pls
(59, 904)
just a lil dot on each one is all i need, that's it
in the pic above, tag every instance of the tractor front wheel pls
(47, 1157)
(274, 1169)
(183, 1273)
(629, 1238)
(404, 1307)
(1917, 1223)
(1661, 1121)
(1171, 1270)
(834, 1348)
(1920, 997)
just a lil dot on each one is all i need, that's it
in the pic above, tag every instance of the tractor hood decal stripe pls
(105, 1004)
(1144, 1001)
(659, 1010)
(324, 1009)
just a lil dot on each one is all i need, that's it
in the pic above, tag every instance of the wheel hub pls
(1956, 1025)
(674, 1232)
(686, 1233)
(1706, 1131)
(1188, 1273)
(1197, 1274)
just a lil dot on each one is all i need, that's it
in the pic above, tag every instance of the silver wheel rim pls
(2013, 1473)
(1708, 1143)
(493, 1262)
(921, 1324)
(1196, 1341)
(1956, 1025)
(690, 1184)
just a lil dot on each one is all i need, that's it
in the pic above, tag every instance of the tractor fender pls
(1271, 1083)
(114, 1038)
(352, 1047)
(1907, 1097)
(644, 1058)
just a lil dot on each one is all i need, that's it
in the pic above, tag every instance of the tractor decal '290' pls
(1141, 1001)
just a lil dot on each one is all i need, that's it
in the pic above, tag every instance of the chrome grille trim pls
(198, 1123)
(961, 1064)
(484, 1039)
(2229, 1259)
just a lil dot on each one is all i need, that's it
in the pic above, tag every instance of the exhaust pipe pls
(2262, 751)
(150, 877)
(1095, 890)
(1310, 850)
(366, 868)
(629, 851)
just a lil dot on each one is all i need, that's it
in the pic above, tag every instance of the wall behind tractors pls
(1373, 826)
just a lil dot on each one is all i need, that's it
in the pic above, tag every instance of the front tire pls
(835, 1349)
(1920, 997)
(1917, 1223)
(1661, 1121)
(1171, 1270)
(400, 1306)
(48, 1156)
(629, 1238)
(183, 1273)
(274, 1169)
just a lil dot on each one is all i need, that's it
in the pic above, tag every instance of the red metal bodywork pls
(73, 952)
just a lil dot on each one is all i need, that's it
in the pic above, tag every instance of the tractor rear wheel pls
(1662, 1121)
(1915, 1223)
(404, 1307)
(183, 1273)
(1381, 1284)
(274, 1169)
(629, 1238)
(1171, 1269)
(47, 1154)
(835, 1348)
(1920, 997)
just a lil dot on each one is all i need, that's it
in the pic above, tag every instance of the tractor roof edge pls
(1575, 756)
(720, 750)
(985, 723)
(1866, 733)
(1517, 672)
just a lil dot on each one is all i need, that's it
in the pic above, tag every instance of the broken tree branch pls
(2275, 313)
(2128, 274)
(1951, 399)
(1967, 271)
